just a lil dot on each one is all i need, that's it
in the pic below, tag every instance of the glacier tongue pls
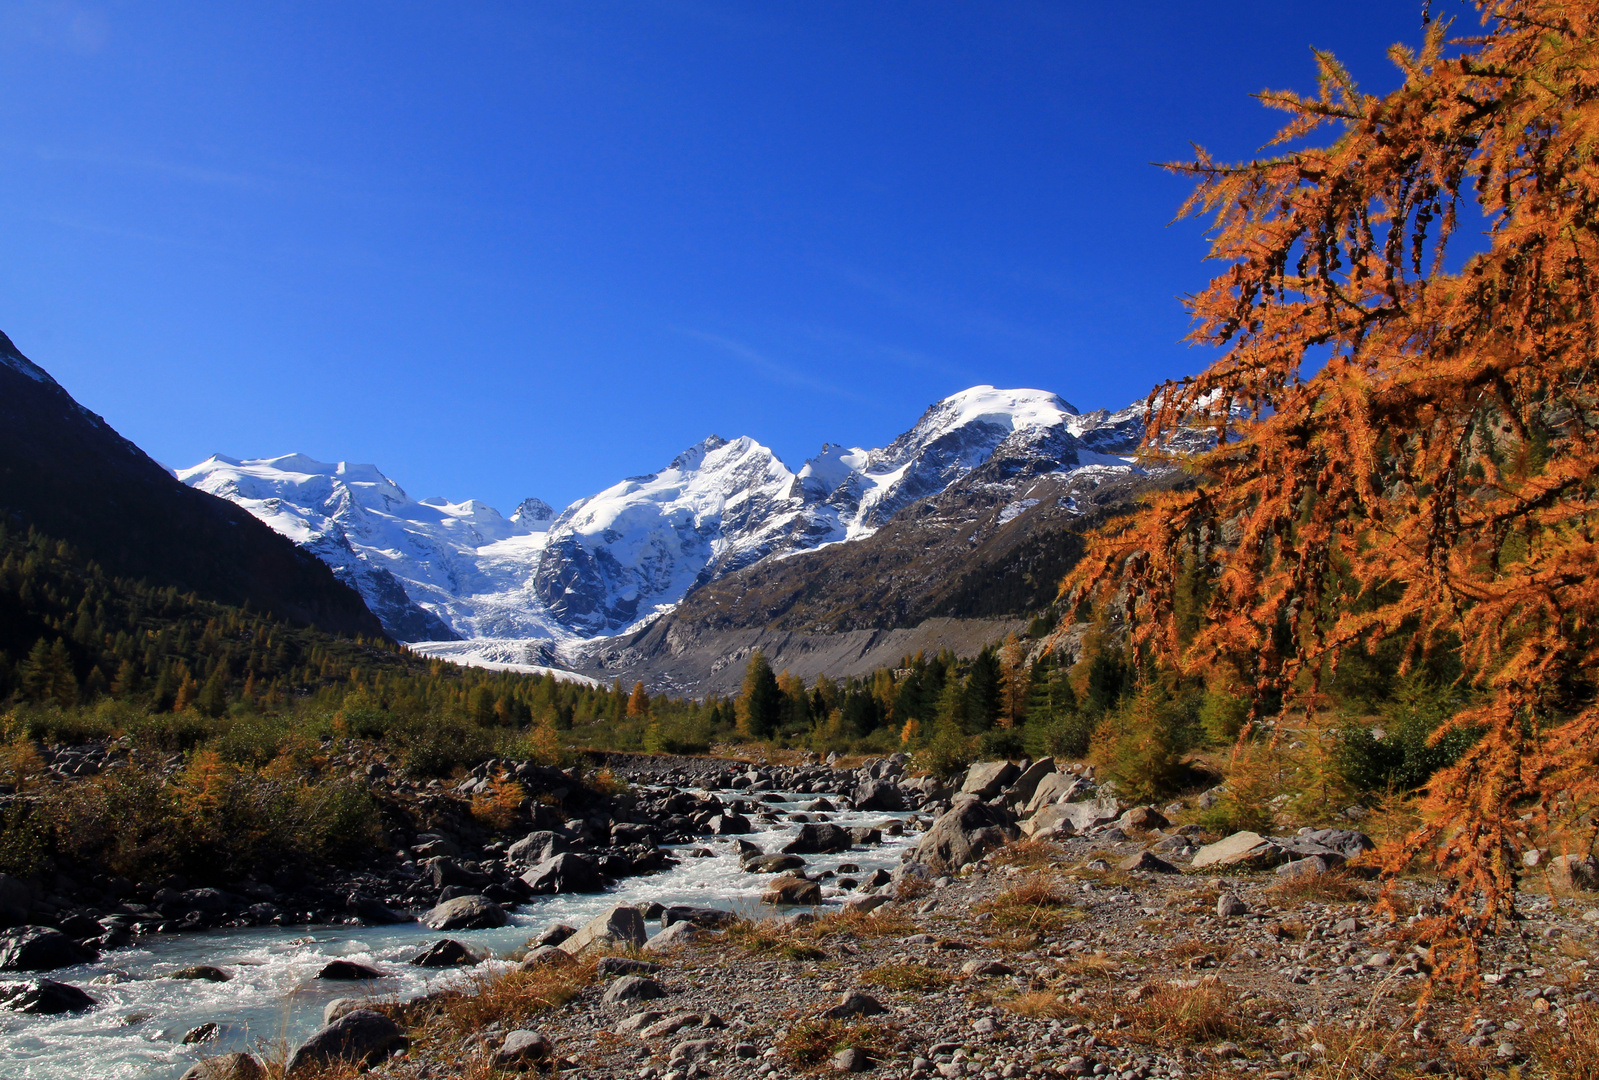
(436, 570)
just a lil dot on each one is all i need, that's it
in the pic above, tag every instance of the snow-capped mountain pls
(435, 570)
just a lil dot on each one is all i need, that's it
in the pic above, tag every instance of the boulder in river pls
(466, 913)
(362, 1037)
(39, 948)
(44, 997)
(565, 873)
(876, 795)
(819, 839)
(200, 973)
(227, 1067)
(773, 864)
(447, 952)
(792, 890)
(620, 926)
(348, 971)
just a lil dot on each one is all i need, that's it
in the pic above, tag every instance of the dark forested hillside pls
(64, 471)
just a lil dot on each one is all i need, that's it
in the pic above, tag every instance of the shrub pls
(1403, 757)
(1140, 745)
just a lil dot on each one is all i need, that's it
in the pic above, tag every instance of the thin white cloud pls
(775, 370)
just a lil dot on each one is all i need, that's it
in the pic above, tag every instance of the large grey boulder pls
(1248, 850)
(44, 997)
(39, 948)
(362, 1037)
(448, 953)
(565, 873)
(521, 1049)
(633, 988)
(879, 795)
(620, 927)
(1057, 787)
(466, 913)
(536, 847)
(819, 839)
(1052, 822)
(678, 933)
(988, 778)
(965, 833)
(1020, 793)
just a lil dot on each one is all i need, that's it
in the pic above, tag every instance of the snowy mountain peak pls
(532, 513)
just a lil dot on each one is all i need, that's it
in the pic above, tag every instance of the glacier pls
(524, 586)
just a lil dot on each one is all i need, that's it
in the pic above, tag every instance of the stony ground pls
(1041, 961)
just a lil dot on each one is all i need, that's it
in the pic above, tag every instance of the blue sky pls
(530, 248)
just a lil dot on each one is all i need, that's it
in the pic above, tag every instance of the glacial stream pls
(273, 1001)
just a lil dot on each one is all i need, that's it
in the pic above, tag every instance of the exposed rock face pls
(964, 834)
(361, 1037)
(466, 913)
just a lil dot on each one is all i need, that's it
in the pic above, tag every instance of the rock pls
(864, 904)
(876, 879)
(1349, 843)
(729, 825)
(554, 934)
(227, 1067)
(679, 933)
(375, 913)
(348, 971)
(876, 795)
(621, 926)
(963, 834)
(39, 948)
(792, 890)
(204, 1033)
(637, 1022)
(854, 1003)
(633, 988)
(1243, 849)
(984, 1025)
(565, 873)
(448, 952)
(44, 997)
(1056, 787)
(547, 954)
(361, 1037)
(466, 913)
(851, 1059)
(747, 851)
(1049, 822)
(536, 847)
(520, 1049)
(1312, 866)
(1146, 818)
(1021, 792)
(710, 918)
(622, 965)
(866, 836)
(339, 1007)
(819, 839)
(773, 864)
(1229, 906)
(986, 969)
(1576, 872)
(690, 1051)
(1090, 815)
(200, 973)
(1147, 861)
(987, 779)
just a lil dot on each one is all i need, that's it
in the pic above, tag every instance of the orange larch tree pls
(1408, 434)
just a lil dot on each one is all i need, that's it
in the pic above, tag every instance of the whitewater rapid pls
(273, 1000)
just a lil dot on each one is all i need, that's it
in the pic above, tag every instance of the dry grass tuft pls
(1035, 905)
(887, 921)
(1572, 1054)
(1037, 855)
(767, 938)
(915, 977)
(1334, 887)
(1038, 1004)
(1205, 1013)
(809, 1044)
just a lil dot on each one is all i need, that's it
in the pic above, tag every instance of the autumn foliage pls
(1408, 432)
